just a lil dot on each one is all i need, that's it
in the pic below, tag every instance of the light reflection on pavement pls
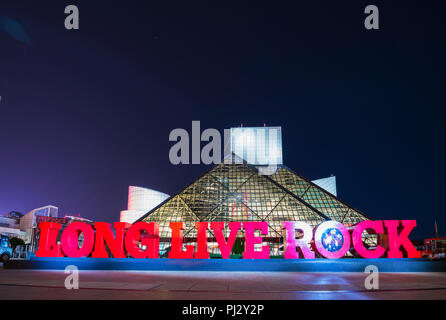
(40, 284)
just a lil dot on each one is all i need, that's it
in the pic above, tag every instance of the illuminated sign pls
(40, 219)
(330, 239)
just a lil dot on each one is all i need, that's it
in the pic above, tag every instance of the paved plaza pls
(44, 284)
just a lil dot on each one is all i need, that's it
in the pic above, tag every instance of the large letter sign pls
(105, 234)
(330, 239)
(357, 239)
(251, 240)
(70, 240)
(176, 247)
(202, 243)
(303, 243)
(48, 246)
(397, 240)
(150, 240)
(225, 247)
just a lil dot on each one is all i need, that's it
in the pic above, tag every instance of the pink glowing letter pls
(303, 243)
(397, 240)
(149, 239)
(225, 247)
(104, 234)
(337, 236)
(251, 240)
(48, 246)
(176, 247)
(357, 239)
(70, 240)
(202, 240)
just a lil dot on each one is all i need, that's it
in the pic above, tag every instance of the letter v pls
(225, 247)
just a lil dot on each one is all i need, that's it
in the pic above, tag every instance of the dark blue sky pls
(84, 114)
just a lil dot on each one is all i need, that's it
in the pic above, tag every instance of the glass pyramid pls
(237, 192)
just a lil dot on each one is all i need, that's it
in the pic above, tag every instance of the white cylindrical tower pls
(140, 201)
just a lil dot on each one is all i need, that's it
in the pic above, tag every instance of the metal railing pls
(24, 251)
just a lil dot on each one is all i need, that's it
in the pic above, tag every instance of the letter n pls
(114, 243)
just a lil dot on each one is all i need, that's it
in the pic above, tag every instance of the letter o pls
(70, 240)
(335, 236)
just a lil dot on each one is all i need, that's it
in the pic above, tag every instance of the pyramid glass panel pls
(317, 197)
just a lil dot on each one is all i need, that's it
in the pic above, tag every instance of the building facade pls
(64, 222)
(328, 184)
(28, 221)
(10, 226)
(257, 145)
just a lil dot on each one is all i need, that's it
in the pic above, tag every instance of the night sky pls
(86, 113)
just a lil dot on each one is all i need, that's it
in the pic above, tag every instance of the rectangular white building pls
(258, 145)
